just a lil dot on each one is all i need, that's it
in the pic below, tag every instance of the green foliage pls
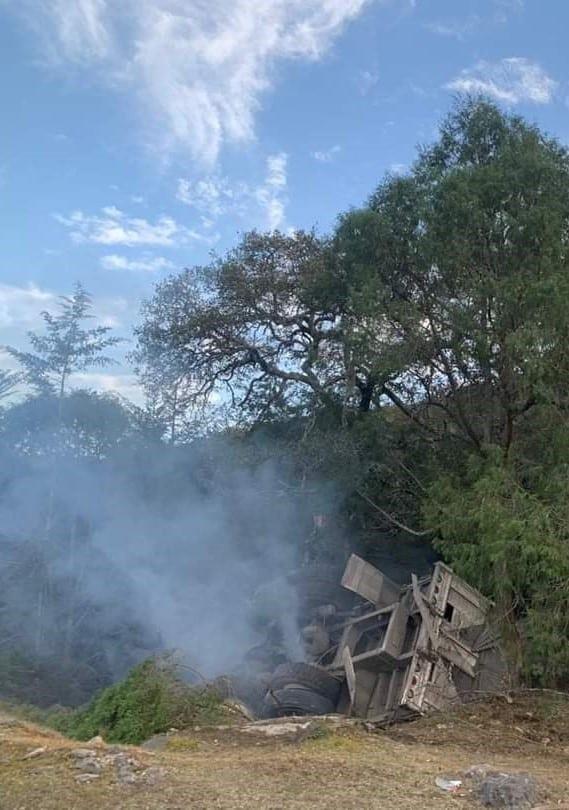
(150, 700)
(8, 382)
(513, 544)
(65, 346)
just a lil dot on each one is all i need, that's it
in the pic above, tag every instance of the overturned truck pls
(397, 651)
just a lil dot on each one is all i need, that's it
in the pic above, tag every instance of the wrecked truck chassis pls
(401, 651)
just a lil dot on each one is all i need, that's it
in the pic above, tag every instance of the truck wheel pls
(309, 676)
(298, 700)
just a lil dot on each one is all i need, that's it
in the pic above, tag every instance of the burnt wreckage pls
(390, 651)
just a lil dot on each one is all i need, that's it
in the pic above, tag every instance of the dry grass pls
(349, 768)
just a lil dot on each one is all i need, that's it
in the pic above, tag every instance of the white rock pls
(35, 753)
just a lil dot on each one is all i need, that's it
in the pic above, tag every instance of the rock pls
(83, 778)
(82, 753)
(89, 765)
(275, 729)
(156, 743)
(35, 753)
(125, 767)
(512, 791)
(98, 740)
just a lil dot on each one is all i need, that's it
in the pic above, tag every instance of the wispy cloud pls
(22, 305)
(199, 68)
(327, 155)
(215, 196)
(144, 264)
(456, 29)
(113, 227)
(270, 195)
(511, 81)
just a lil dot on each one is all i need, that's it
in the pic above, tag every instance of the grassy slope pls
(391, 769)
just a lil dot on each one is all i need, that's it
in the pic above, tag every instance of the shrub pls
(150, 700)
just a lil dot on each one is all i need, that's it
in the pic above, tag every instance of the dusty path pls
(343, 768)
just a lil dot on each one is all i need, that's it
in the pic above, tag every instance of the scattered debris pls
(515, 791)
(399, 651)
(449, 785)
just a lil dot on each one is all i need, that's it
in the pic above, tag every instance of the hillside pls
(332, 765)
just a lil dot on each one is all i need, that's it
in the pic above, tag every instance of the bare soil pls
(332, 765)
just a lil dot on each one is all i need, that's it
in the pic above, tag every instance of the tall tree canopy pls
(442, 305)
(65, 347)
(265, 327)
(464, 263)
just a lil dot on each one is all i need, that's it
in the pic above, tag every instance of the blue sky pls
(139, 136)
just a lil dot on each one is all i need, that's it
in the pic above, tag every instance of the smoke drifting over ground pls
(106, 561)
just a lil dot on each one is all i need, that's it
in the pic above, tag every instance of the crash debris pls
(386, 653)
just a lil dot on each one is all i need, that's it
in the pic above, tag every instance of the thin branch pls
(394, 520)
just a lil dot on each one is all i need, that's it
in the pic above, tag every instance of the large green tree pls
(464, 263)
(264, 329)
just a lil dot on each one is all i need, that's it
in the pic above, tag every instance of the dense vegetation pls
(407, 375)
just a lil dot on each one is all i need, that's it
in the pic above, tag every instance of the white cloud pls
(21, 306)
(511, 81)
(199, 68)
(327, 155)
(212, 196)
(263, 205)
(270, 195)
(456, 29)
(113, 227)
(145, 264)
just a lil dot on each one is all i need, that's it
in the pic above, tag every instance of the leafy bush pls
(513, 544)
(150, 700)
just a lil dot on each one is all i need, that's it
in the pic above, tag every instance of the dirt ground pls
(324, 765)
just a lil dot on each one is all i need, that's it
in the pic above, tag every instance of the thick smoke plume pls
(155, 549)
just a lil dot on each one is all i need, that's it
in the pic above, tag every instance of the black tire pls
(307, 675)
(298, 701)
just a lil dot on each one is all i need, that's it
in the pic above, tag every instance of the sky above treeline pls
(140, 136)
